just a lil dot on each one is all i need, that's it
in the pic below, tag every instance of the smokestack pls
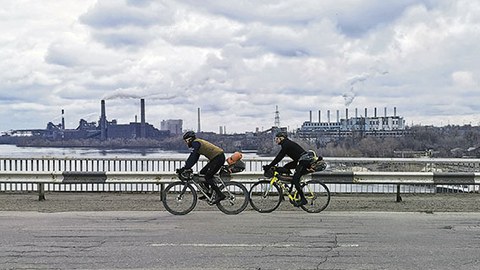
(365, 112)
(198, 112)
(143, 131)
(338, 116)
(395, 111)
(311, 117)
(319, 116)
(103, 121)
(346, 114)
(221, 130)
(328, 116)
(356, 112)
(385, 111)
(63, 119)
(375, 112)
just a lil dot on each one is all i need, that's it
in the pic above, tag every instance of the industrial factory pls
(375, 125)
(320, 131)
(104, 129)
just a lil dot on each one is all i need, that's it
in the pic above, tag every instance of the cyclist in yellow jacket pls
(215, 156)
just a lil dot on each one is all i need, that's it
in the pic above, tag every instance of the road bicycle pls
(267, 194)
(180, 198)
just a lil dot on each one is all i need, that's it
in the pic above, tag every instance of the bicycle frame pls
(197, 180)
(287, 187)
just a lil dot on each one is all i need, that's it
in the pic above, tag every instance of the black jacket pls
(290, 149)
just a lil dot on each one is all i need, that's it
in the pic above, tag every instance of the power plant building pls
(175, 126)
(380, 126)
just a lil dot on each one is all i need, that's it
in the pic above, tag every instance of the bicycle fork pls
(180, 195)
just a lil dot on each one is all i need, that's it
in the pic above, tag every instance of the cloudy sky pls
(238, 60)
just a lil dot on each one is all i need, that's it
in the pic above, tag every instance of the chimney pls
(338, 116)
(63, 119)
(103, 122)
(328, 116)
(311, 116)
(143, 131)
(346, 114)
(198, 112)
(356, 112)
(319, 116)
(395, 111)
(385, 111)
(375, 112)
(365, 112)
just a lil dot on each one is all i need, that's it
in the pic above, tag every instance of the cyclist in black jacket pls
(294, 151)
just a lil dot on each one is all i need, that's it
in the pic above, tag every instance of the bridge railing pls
(15, 170)
(255, 164)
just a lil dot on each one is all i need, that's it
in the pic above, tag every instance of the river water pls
(13, 151)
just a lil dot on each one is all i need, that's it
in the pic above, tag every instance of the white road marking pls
(349, 245)
(221, 245)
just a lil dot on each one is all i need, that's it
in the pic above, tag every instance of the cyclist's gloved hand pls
(268, 172)
(180, 171)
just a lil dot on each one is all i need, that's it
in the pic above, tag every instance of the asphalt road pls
(213, 240)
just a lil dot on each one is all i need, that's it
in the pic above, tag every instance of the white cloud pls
(464, 80)
(238, 60)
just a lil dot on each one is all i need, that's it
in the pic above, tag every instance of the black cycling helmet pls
(281, 134)
(189, 134)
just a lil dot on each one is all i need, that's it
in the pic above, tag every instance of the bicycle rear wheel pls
(264, 197)
(237, 198)
(179, 198)
(317, 195)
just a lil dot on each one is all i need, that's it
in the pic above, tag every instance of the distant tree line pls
(448, 141)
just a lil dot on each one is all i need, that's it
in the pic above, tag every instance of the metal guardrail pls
(162, 178)
(410, 178)
(449, 179)
(68, 177)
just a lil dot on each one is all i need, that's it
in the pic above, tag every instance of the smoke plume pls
(357, 81)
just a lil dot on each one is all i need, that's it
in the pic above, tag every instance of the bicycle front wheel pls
(265, 197)
(236, 200)
(317, 195)
(179, 198)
